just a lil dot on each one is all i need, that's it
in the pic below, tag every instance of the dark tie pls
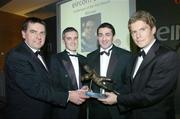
(41, 55)
(37, 53)
(73, 55)
(141, 53)
(107, 53)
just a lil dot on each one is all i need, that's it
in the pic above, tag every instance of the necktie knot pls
(37, 53)
(107, 53)
(142, 53)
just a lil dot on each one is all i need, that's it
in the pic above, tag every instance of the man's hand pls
(78, 96)
(110, 100)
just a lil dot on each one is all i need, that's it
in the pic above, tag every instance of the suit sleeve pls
(32, 82)
(161, 83)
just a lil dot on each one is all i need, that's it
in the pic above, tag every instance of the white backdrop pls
(116, 12)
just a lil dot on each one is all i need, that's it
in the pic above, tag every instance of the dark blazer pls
(152, 89)
(28, 86)
(116, 71)
(64, 80)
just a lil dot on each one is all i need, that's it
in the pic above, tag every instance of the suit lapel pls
(34, 59)
(69, 68)
(149, 57)
(96, 65)
(134, 66)
(112, 63)
(81, 63)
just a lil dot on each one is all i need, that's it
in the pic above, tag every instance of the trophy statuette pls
(102, 82)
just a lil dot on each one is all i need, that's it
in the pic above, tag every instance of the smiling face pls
(34, 35)
(71, 40)
(142, 33)
(105, 37)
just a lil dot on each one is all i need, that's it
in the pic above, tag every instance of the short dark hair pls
(32, 20)
(68, 29)
(106, 25)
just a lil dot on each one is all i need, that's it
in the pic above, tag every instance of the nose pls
(138, 34)
(103, 37)
(38, 36)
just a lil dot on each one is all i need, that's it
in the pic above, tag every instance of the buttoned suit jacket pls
(152, 89)
(116, 72)
(65, 80)
(29, 88)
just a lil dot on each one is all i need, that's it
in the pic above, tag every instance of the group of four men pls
(145, 83)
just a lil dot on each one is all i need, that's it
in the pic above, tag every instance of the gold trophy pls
(102, 82)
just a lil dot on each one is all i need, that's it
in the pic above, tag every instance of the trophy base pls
(96, 95)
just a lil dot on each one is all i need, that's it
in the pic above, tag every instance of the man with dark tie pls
(66, 69)
(108, 61)
(152, 78)
(29, 88)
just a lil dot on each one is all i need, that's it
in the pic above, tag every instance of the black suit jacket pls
(64, 80)
(116, 71)
(152, 89)
(28, 86)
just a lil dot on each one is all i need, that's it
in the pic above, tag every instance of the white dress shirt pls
(140, 58)
(104, 63)
(75, 64)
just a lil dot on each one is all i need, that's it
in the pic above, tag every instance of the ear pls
(154, 30)
(64, 43)
(23, 34)
(114, 38)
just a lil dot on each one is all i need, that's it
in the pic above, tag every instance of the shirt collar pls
(101, 49)
(71, 52)
(34, 50)
(146, 49)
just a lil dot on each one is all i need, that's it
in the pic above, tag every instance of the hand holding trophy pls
(102, 82)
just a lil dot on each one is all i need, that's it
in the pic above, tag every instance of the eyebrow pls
(105, 33)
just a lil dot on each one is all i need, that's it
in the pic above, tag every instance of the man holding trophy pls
(106, 69)
(152, 77)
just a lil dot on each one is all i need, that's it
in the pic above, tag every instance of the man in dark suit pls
(108, 61)
(29, 88)
(152, 77)
(66, 68)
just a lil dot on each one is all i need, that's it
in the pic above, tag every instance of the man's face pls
(71, 40)
(105, 37)
(35, 35)
(142, 33)
(89, 29)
